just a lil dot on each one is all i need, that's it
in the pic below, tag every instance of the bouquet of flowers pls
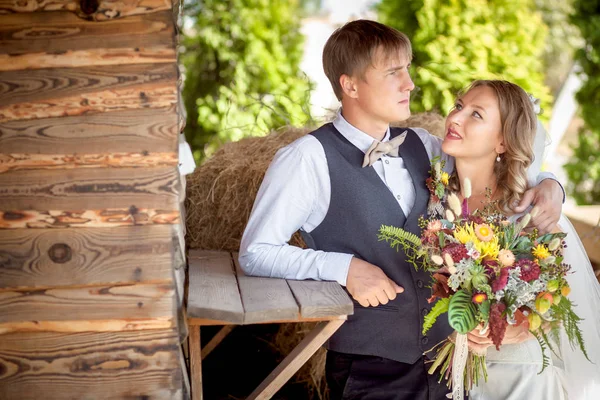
(487, 272)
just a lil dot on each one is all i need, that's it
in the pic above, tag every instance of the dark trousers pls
(353, 377)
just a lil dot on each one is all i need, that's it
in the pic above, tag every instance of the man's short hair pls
(352, 48)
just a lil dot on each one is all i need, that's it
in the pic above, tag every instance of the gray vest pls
(360, 204)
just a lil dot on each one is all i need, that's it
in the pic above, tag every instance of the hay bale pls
(221, 192)
(431, 121)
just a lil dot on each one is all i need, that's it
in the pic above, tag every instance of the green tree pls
(241, 63)
(583, 169)
(457, 41)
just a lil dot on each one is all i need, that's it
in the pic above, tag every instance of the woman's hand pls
(478, 343)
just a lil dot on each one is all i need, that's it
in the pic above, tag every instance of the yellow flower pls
(488, 249)
(484, 232)
(540, 252)
(465, 234)
(445, 178)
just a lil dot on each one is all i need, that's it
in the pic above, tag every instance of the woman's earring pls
(498, 158)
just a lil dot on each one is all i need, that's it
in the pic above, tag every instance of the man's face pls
(384, 91)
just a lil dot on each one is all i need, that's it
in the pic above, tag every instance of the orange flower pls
(506, 257)
(484, 232)
(479, 298)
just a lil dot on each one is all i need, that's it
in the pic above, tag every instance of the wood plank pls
(321, 299)
(61, 39)
(116, 365)
(131, 131)
(296, 359)
(195, 363)
(265, 299)
(199, 254)
(90, 189)
(43, 258)
(20, 162)
(123, 302)
(86, 58)
(106, 218)
(59, 92)
(106, 9)
(99, 325)
(51, 84)
(212, 322)
(59, 32)
(213, 290)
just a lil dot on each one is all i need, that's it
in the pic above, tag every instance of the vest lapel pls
(417, 163)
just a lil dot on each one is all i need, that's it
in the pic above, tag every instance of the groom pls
(317, 184)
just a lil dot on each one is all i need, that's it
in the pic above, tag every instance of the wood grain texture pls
(265, 299)
(213, 290)
(59, 92)
(87, 58)
(90, 189)
(19, 162)
(106, 10)
(59, 32)
(98, 325)
(43, 258)
(116, 365)
(321, 299)
(106, 218)
(136, 131)
(195, 363)
(124, 302)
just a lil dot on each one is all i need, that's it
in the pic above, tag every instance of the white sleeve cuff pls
(335, 267)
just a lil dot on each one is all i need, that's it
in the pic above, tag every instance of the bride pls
(491, 133)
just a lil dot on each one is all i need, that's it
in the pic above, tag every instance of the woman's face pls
(473, 127)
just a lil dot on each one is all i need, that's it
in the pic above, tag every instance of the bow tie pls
(377, 149)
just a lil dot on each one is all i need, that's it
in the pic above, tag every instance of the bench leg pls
(195, 362)
(218, 338)
(296, 359)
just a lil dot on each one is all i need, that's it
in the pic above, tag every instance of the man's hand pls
(547, 198)
(369, 285)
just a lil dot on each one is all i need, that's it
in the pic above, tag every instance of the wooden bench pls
(221, 294)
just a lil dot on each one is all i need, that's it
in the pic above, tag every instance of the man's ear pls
(348, 86)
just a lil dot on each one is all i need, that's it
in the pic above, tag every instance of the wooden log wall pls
(91, 232)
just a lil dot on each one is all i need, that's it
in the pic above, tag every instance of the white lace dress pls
(513, 372)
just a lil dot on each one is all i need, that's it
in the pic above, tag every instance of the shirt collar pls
(354, 135)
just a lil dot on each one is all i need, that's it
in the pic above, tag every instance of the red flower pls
(530, 270)
(498, 323)
(456, 250)
(501, 280)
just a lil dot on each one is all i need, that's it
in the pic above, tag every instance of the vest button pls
(424, 312)
(420, 284)
(424, 340)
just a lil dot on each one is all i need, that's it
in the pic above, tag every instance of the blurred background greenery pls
(245, 65)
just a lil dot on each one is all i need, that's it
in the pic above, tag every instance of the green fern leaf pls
(440, 307)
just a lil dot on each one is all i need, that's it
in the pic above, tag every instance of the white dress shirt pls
(295, 194)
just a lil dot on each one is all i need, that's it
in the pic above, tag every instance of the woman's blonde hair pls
(518, 123)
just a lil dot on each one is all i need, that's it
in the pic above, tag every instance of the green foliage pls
(583, 169)
(458, 41)
(562, 40)
(411, 243)
(441, 306)
(242, 75)
(462, 312)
